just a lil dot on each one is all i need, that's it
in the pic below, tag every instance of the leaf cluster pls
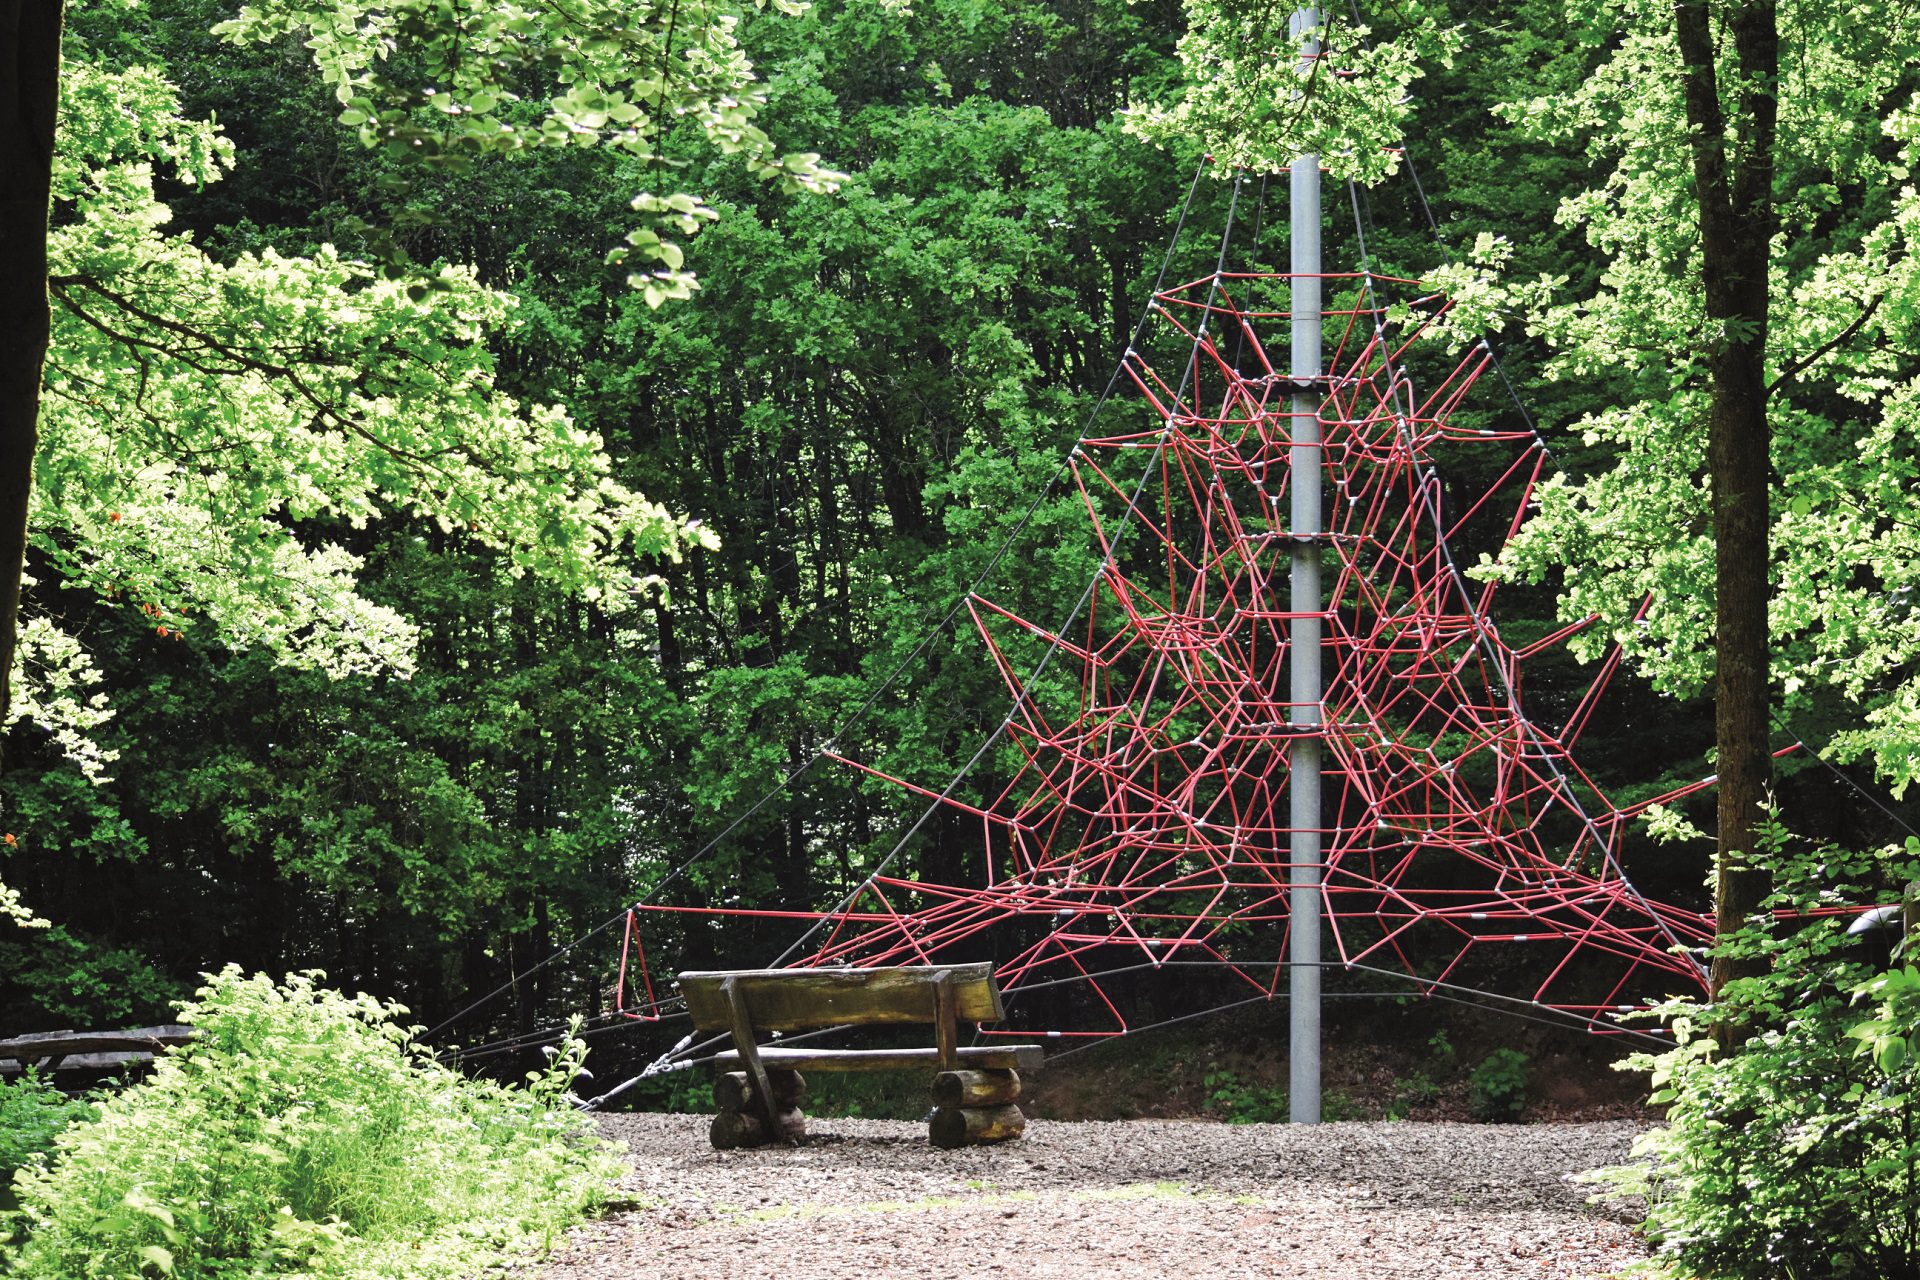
(1798, 1153)
(1630, 522)
(439, 83)
(303, 1132)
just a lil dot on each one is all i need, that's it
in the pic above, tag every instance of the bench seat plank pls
(60, 1044)
(1018, 1057)
(802, 999)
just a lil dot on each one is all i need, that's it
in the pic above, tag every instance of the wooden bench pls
(975, 1087)
(89, 1050)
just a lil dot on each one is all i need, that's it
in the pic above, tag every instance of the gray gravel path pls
(1132, 1200)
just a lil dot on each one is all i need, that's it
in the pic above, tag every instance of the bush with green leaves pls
(304, 1132)
(1242, 1101)
(1410, 1091)
(32, 1114)
(1797, 1154)
(1497, 1089)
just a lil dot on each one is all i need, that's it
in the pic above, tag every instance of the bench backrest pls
(798, 999)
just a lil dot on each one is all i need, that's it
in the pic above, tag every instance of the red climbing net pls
(1140, 819)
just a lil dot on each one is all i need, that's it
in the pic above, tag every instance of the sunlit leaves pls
(305, 1133)
(441, 83)
(1844, 330)
(203, 420)
(1792, 1155)
(1251, 101)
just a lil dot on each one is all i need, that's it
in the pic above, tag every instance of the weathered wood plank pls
(740, 1022)
(946, 1030)
(56, 1044)
(970, 1126)
(1020, 1057)
(800, 999)
(75, 1062)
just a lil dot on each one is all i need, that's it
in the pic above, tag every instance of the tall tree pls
(270, 390)
(29, 101)
(1754, 328)
(1732, 114)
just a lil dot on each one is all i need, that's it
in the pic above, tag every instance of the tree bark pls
(30, 98)
(1734, 181)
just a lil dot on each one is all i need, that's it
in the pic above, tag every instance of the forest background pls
(420, 754)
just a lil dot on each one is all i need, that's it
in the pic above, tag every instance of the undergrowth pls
(1798, 1154)
(304, 1133)
(32, 1114)
(1497, 1090)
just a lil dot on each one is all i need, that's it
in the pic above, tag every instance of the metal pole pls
(1304, 482)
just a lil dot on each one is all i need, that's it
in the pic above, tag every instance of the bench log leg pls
(741, 1120)
(973, 1126)
(733, 1090)
(984, 1088)
(734, 1129)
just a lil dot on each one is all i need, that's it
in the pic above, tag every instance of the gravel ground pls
(1133, 1200)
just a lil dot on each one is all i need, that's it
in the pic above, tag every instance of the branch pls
(1701, 93)
(241, 360)
(1799, 366)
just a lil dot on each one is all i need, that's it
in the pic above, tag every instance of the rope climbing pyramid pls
(1147, 820)
(1136, 810)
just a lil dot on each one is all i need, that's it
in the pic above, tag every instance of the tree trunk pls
(1737, 223)
(30, 97)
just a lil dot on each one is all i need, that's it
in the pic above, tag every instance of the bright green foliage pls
(439, 84)
(1497, 1089)
(303, 1133)
(1844, 332)
(211, 426)
(1798, 1155)
(32, 1114)
(197, 408)
(1247, 98)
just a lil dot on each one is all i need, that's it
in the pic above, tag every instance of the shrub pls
(32, 1114)
(1409, 1092)
(1497, 1089)
(304, 1132)
(55, 978)
(1796, 1155)
(1243, 1102)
